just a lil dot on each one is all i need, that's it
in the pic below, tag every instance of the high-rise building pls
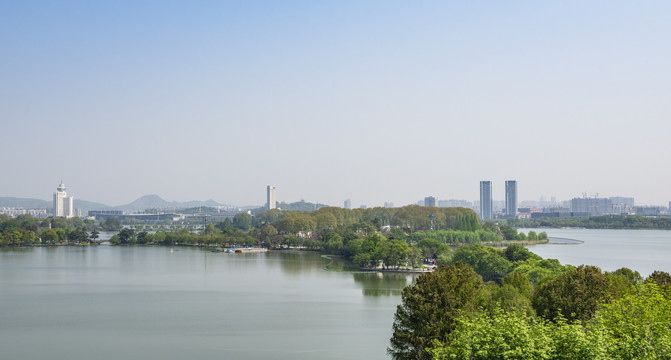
(389, 204)
(272, 200)
(348, 204)
(430, 201)
(63, 204)
(486, 200)
(511, 198)
(592, 206)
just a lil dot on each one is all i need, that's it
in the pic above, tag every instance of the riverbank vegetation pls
(25, 230)
(597, 222)
(511, 304)
(412, 232)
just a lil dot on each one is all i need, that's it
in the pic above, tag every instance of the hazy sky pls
(369, 100)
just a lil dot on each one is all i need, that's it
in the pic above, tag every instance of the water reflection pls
(382, 284)
(297, 263)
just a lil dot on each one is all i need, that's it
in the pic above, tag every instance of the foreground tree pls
(637, 326)
(575, 295)
(430, 307)
(514, 335)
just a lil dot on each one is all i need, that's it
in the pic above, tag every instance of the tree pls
(242, 221)
(296, 222)
(143, 237)
(509, 233)
(501, 336)
(267, 232)
(78, 235)
(515, 335)
(396, 254)
(576, 294)
(519, 253)
(112, 224)
(125, 236)
(325, 220)
(488, 262)
(430, 307)
(94, 235)
(333, 242)
(637, 325)
(634, 277)
(661, 278)
(268, 217)
(210, 229)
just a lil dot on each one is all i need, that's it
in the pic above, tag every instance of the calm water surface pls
(150, 303)
(642, 250)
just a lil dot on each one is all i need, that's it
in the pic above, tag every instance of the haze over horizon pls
(375, 101)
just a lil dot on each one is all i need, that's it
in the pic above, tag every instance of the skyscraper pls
(272, 201)
(486, 200)
(63, 204)
(430, 201)
(348, 204)
(511, 198)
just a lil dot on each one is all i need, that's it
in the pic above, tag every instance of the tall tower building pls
(348, 204)
(511, 198)
(272, 200)
(486, 200)
(430, 201)
(63, 204)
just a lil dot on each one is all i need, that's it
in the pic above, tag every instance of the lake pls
(642, 250)
(153, 303)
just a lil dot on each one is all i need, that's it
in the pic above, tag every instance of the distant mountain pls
(155, 201)
(300, 205)
(12, 202)
(295, 206)
(144, 202)
(86, 206)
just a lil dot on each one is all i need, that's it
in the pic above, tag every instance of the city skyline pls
(501, 199)
(329, 101)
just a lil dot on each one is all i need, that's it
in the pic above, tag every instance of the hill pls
(142, 203)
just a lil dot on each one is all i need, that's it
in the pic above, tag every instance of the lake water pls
(150, 303)
(642, 250)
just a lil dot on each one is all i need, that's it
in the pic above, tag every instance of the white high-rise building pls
(63, 204)
(272, 201)
(348, 204)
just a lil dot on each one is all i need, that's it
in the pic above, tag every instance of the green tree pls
(267, 232)
(125, 236)
(661, 278)
(296, 222)
(78, 235)
(49, 236)
(242, 221)
(634, 277)
(430, 307)
(333, 242)
(488, 262)
(143, 237)
(396, 254)
(637, 325)
(111, 224)
(516, 253)
(515, 335)
(575, 295)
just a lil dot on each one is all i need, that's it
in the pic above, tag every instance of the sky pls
(373, 101)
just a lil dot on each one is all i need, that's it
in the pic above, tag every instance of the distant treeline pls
(25, 230)
(371, 238)
(598, 222)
